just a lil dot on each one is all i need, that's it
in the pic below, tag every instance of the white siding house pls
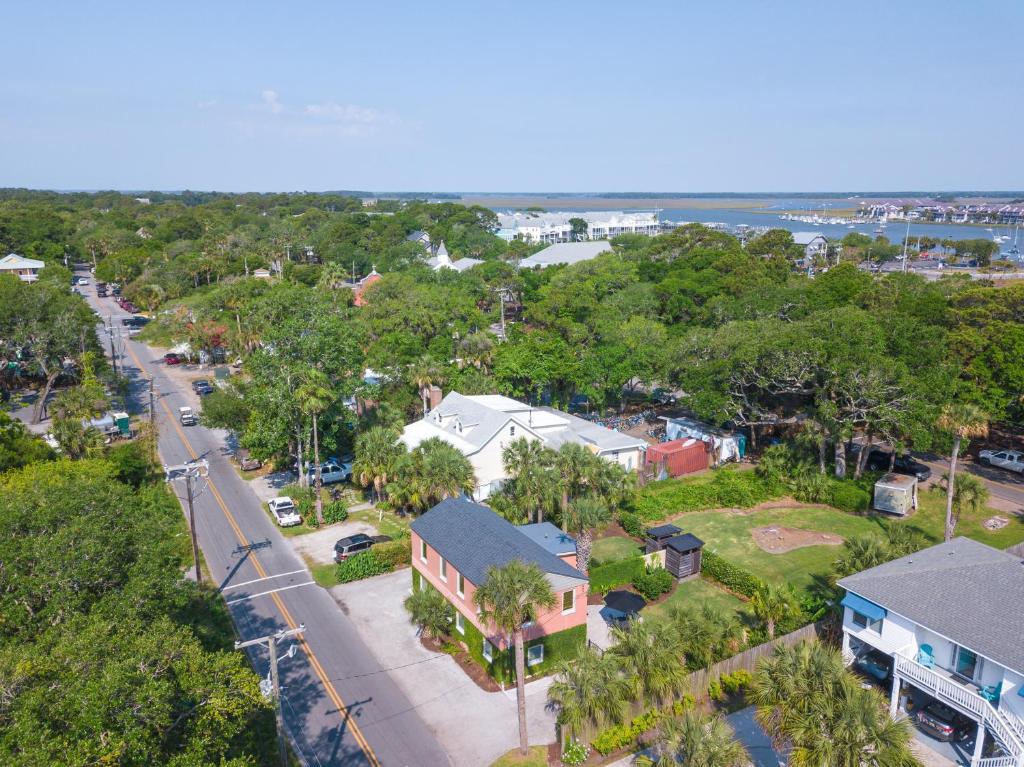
(951, 618)
(25, 269)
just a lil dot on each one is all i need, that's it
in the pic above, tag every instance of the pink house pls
(453, 546)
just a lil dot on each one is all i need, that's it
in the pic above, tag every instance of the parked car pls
(351, 545)
(83, 281)
(186, 416)
(202, 386)
(115, 289)
(874, 664)
(172, 359)
(246, 462)
(943, 723)
(331, 471)
(284, 511)
(1011, 460)
(878, 460)
(101, 292)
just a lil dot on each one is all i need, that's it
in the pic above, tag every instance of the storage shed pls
(678, 457)
(657, 536)
(682, 555)
(896, 494)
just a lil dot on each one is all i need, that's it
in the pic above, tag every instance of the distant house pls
(481, 426)
(420, 237)
(566, 253)
(261, 273)
(443, 261)
(947, 622)
(26, 269)
(813, 243)
(453, 547)
(359, 286)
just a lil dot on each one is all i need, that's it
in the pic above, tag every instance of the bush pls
(335, 511)
(632, 524)
(131, 464)
(364, 565)
(654, 582)
(849, 496)
(715, 690)
(575, 754)
(736, 681)
(729, 575)
(622, 735)
(394, 554)
(727, 488)
(605, 577)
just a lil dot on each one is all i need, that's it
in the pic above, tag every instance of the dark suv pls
(878, 460)
(351, 545)
(942, 722)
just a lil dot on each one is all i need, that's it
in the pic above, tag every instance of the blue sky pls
(477, 96)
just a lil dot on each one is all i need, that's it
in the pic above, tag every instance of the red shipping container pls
(678, 457)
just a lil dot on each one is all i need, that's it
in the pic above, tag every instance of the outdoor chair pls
(991, 692)
(925, 656)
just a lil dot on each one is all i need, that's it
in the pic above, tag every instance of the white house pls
(566, 253)
(443, 261)
(813, 243)
(481, 426)
(951, 618)
(555, 226)
(26, 269)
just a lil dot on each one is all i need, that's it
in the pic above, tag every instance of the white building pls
(555, 227)
(481, 426)
(443, 261)
(26, 269)
(951, 618)
(813, 243)
(566, 253)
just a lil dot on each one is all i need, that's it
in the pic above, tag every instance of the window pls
(534, 655)
(460, 622)
(965, 663)
(568, 601)
(460, 585)
(512, 431)
(488, 651)
(443, 570)
(423, 550)
(864, 622)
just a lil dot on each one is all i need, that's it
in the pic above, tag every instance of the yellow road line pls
(314, 661)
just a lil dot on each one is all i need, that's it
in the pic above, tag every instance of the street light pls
(188, 472)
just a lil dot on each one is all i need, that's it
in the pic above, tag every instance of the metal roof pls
(684, 542)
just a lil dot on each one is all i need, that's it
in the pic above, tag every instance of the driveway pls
(474, 727)
(318, 546)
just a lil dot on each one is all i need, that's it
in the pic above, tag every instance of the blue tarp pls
(863, 606)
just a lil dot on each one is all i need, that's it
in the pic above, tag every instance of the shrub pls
(364, 565)
(335, 511)
(729, 575)
(622, 735)
(394, 554)
(715, 690)
(680, 706)
(736, 681)
(575, 754)
(308, 512)
(654, 582)
(614, 574)
(849, 497)
(727, 488)
(632, 524)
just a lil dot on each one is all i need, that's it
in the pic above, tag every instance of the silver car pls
(1011, 460)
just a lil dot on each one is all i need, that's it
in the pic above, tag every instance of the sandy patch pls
(778, 540)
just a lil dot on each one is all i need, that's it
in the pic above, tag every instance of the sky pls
(513, 97)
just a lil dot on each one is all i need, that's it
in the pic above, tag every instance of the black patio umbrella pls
(625, 602)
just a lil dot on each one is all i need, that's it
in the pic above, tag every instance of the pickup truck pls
(1011, 460)
(186, 416)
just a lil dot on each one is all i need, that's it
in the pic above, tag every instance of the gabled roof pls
(966, 591)
(566, 253)
(683, 543)
(14, 261)
(663, 531)
(473, 538)
(806, 238)
(590, 434)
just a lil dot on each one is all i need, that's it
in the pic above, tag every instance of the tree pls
(963, 421)
(429, 610)
(589, 690)
(573, 464)
(579, 229)
(699, 740)
(511, 596)
(650, 654)
(582, 517)
(424, 373)
(18, 446)
(377, 454)
(442, 471)
(315, 396)
(771, 604)
(970, 496)
(528, 464)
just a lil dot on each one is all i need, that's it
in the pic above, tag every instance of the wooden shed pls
(676, 458)
(896, 494)
(682, 555)
(657, 536)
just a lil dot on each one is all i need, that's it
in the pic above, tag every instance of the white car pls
(83, 281)
(284, 512)
(1011, 460)
(331, 471)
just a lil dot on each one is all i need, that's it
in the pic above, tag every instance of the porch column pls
(894, 700)
(979, 744)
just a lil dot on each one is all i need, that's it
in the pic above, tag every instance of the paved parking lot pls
(318, 546)
(473, 726)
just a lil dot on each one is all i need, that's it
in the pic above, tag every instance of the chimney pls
(435, 396)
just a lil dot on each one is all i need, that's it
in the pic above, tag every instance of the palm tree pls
(651, 654)
(477, 348)
(708, 635)
(589, 690)
(699, 740)
(572, 463)
(771, 604)
(963, 421)
(581, 518)
(511, 596)
(430, 611)
(861, 553)
(528, 463)
(424, 373)
(315, 396)
(442, 471)
(969, 495)
(377, 452)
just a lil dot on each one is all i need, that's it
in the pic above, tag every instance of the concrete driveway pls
(474, 727)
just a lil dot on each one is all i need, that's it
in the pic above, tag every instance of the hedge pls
(848, 496)
(727, 488)
(729, 575)
(619, 573)
(363, 565)
(623, 735)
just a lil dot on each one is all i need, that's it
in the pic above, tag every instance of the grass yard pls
(693, 595)
(930, 519)
(537, 757)
(614, 548)
(390, 524)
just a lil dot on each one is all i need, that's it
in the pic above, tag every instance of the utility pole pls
(188, 472)
(271, 641)
(152, 418)
(113, 351)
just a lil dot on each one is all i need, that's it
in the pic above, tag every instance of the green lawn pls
(614, 548)
(694, 594)
(390, 524)
(930, 519)
(537, 757)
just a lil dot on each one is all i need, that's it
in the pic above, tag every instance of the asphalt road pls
(340, 706)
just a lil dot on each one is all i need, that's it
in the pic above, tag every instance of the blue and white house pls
(951, 617)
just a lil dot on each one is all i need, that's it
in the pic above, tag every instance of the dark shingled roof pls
(966, 591)
(684, 542)
(473, 538)
(662, 531)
